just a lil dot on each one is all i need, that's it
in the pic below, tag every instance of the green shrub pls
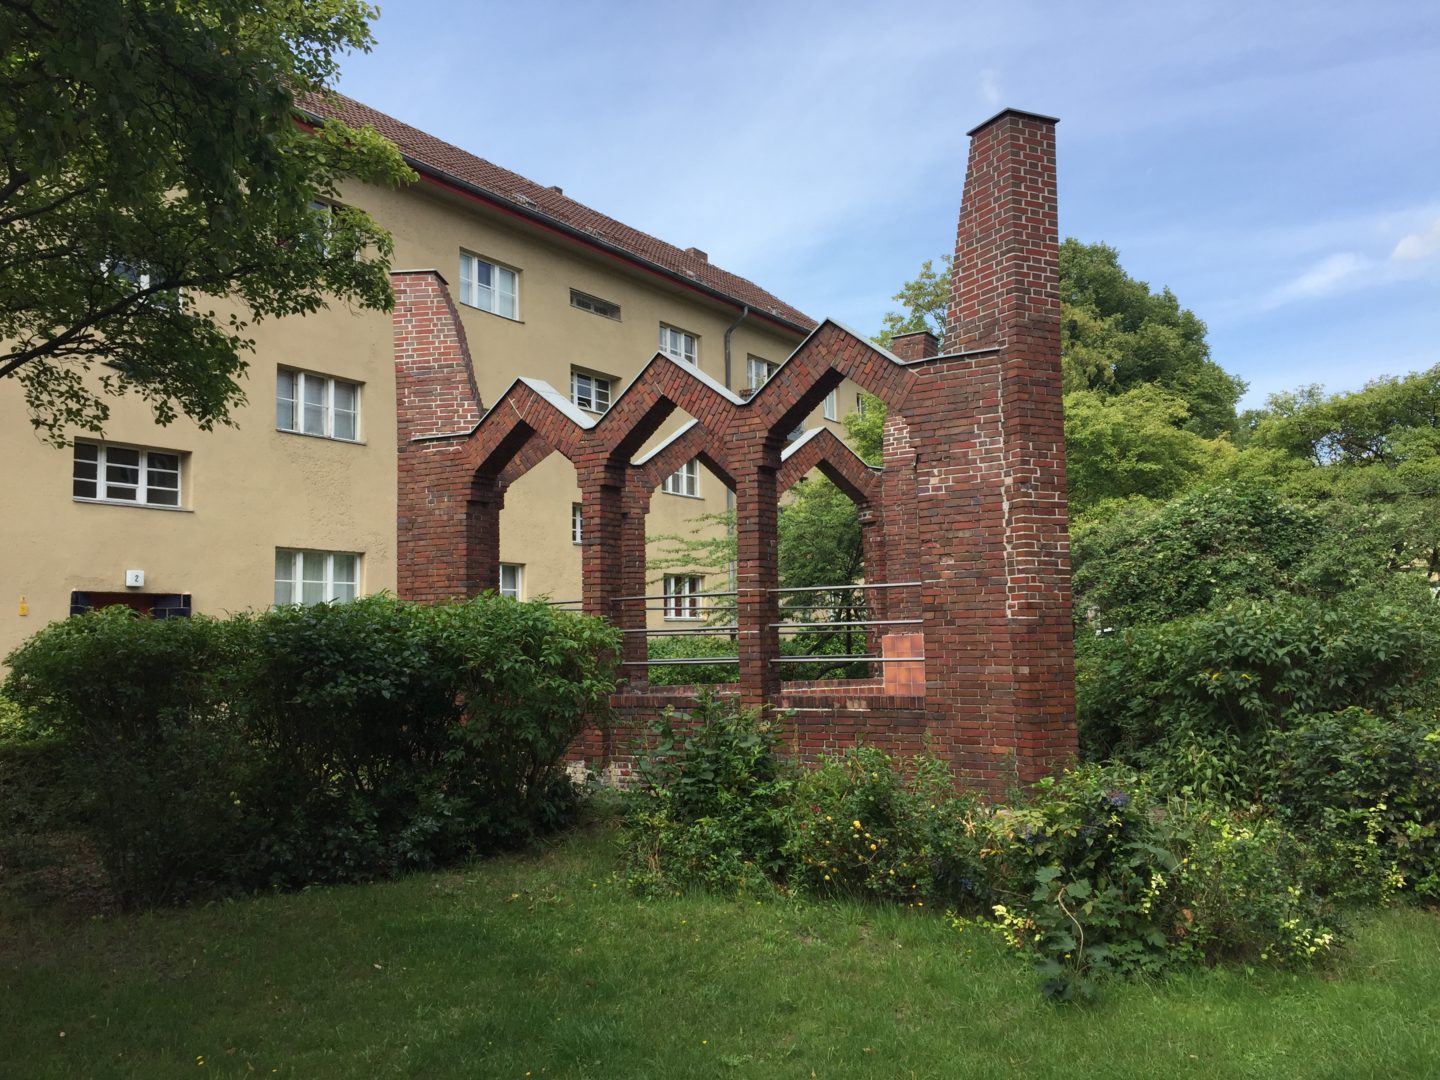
(155, 756)
(1198, 699)
(328, 743)
(692, 647)
(1100, 876)
(1151, 563)
(13, 724)
(1097, 872)
(864, 824)
(1367, 787)
(531, 677)
(709, 808)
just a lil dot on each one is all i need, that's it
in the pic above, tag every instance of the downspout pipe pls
(730, 495)
(744, 311)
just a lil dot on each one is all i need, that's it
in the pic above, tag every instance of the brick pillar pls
(897, 481)
(631, 615)
(988, 435)
(902, 528)
(445, 522)
(756, 520)
(480, 557)
(602, 527)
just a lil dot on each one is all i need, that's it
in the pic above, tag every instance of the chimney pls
(921, 345)
(1007, 254)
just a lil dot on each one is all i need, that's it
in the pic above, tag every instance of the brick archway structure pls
(970, 502)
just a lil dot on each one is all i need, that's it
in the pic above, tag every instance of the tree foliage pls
(158, 196)
(1118, 335)
(1144, 401)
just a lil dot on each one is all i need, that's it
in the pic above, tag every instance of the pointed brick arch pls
(692, 441)
(829, 355)
(664, 386)
(822, 449)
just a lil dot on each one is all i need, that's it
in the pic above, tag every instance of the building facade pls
(297, 501)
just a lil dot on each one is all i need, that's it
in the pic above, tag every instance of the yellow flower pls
(872, 847)
(856, 824)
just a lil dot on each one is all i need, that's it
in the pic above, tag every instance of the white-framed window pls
(682, 596)
(684, 481)
(832, 405)
(310, 404)
(591, 392)
(128, 475)
(594, 305)
(860, 403)
(680, 344)
(316, 577)
(512, 580)
(577, 524)
(758, 371)
(489, 286)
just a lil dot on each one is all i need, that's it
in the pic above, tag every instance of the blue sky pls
(1276, 164)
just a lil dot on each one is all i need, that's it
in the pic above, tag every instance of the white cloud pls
(990, 88)
(1325, 277)
(1419, 245)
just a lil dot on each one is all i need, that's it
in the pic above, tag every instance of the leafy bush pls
(327, 743)
(1152, 563)
(692, 647)
(1096, 872)
(1368, 787)
(154, 754)
(1100, 874)
(1198, 699)
(13, 724)
(710, 806)
(865, 824)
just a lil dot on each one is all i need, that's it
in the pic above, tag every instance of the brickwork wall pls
(970, 501)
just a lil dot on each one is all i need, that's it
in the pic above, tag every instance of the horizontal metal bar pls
(702, 612)
(837, 588)
(686, 660)
(860, 622)
(686, 630)
(671, 596)
(839, 657)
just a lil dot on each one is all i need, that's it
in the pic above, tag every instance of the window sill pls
(684, 618)
(681, 494)
(322, 438)
(487, 311)
(132, 505)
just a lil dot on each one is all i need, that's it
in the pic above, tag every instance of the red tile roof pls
(429, 154)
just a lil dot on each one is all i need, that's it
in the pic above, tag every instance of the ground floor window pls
(316, 577)
(682, 596)
(512, 580)
(156, 605)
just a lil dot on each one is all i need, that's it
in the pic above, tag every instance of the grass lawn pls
(542, 966)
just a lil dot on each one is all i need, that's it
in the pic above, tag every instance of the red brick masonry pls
(970, 502)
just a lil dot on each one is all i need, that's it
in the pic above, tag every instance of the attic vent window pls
(524, 200)
(593, 304)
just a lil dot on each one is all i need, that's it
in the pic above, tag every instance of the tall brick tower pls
(988, 432)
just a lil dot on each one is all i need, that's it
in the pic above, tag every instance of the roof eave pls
(541, 218)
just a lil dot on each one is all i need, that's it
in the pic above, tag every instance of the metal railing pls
(829, 600)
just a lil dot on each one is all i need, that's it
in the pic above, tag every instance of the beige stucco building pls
(298, 499)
